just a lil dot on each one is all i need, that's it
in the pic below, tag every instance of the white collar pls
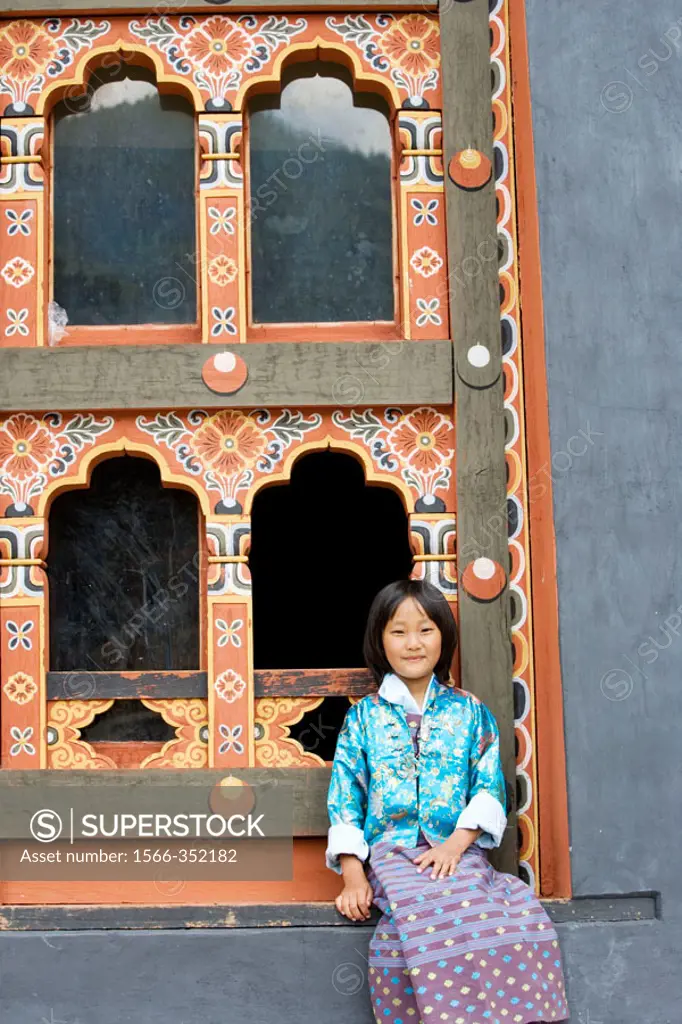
(394, 690)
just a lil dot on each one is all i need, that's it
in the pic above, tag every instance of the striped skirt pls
(475, 947)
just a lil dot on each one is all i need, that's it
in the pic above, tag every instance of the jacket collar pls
(393, 689)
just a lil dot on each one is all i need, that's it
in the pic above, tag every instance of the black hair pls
(383, 609)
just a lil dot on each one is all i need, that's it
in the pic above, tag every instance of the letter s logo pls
(46, 826)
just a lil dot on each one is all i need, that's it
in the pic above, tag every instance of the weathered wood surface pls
(485, 653)
(169, 376)
(585, 910)
(307, 682)
(306, 787)
(157, 8)
(105, 685)
(314, 682)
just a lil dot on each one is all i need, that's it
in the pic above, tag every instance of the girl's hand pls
(355, 900)
(443, 857)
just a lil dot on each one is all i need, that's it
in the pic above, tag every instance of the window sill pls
(633, 908)
(131, 334)
(375, 330)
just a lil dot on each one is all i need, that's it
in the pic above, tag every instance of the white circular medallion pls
(479, 356)
(224, 362)
(484, 568)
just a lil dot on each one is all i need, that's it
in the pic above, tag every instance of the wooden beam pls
(305, 787)
(305, 682)
(322, 374)
(482, 543)
(314, 682)
(22, 918)
(25, 8)
(105, 685)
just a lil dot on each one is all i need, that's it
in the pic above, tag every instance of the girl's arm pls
(347, 796)
(487, 806)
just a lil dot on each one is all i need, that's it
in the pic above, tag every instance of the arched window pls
(124, 211)
(123, 572)
(320, 202)
(321, 548)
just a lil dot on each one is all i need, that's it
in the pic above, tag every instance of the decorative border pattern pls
(517, 486)
(59, 51)
(217, 57)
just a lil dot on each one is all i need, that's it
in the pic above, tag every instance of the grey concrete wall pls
(281, 976)
(606, 81)
(608, 136)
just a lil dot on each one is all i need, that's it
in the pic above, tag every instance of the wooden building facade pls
(206, 461)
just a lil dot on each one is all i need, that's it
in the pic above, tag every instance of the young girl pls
(417, 787)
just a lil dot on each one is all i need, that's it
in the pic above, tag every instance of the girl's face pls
(412, 642)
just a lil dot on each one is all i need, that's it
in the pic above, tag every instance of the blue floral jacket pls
(380, 790)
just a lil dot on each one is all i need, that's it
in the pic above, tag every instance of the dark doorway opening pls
(321, 548)
(123, 571)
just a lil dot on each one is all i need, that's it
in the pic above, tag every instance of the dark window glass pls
(123, 573)
(124, 221)
(321, 216)
(328, 543)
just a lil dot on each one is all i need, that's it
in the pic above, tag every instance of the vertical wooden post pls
(23, 618)
(422, 225)
(230, 644)
(482, 545)
(221, 229)
(23, 211)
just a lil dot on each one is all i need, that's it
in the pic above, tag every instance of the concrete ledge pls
(583, 910)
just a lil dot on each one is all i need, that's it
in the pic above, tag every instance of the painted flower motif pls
(425, 211)
(222, 270)
(229, 686)
(223, 321)
(222, 220)
(228, 442)
(20, 688)
(25, 50)
(17, 272)
(428, 312)
(19, 223)
(231, 737)
(423, 439)
(17, 322)
(426, 261)
(413, 44)
(19, 634)
(25, 446)
(218, 44)
(22, 740)
(229, 633)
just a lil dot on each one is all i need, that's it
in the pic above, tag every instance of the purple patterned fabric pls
(475, 947)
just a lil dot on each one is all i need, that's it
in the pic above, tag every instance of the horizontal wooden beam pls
(157, 685)
(105, 685)
(21, 918)
(23, 8)
(314, 682)
(303, 373)
(305, 787)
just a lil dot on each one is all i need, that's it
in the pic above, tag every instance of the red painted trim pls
(555, 865)
(354, 331)
(132, 334)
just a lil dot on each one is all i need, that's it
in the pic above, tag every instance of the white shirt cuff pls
(486, 812)
(345, 838)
